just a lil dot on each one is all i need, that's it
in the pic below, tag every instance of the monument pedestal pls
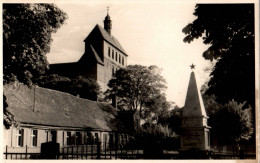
(195, 133)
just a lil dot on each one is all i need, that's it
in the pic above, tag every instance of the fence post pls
(116, 147)
(72, 152)
(26, 152)
(6, 153)
(77, 152)
(82, 151)
(92, 153)
(86, 151)
(98, 150)
(105, 150)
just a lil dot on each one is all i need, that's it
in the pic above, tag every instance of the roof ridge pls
(64, 93)
(110, 38)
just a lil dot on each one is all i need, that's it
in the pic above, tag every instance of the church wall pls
(118, 56)
(111, 65)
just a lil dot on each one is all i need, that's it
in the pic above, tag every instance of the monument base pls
(195, 138)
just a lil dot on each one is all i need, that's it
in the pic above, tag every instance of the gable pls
(99, 33)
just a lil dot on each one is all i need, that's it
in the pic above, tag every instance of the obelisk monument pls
(195, 133)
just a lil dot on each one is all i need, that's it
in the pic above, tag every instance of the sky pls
(150, 33)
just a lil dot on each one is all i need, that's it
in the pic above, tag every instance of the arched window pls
(112, 54)
(123, 60)
(116, 56)
(119, 59)
(108, 51)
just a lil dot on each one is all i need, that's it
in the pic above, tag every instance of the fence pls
(21, 155)
(99, 151)
(106, 151)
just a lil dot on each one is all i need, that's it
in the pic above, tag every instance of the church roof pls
(96, 55)
(109, 38)
(59, 109)
(194, 106)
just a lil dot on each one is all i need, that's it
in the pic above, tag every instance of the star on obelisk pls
(192, 66)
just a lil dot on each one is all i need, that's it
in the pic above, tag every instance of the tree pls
(173, 119)
(137, 88)
(9, 118)
(78, 86)
(230, 34)
(85, 87)
(231, 123)
(27, 30)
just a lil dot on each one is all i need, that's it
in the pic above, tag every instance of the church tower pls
(108, 23)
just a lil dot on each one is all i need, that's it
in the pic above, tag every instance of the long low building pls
(46, 115)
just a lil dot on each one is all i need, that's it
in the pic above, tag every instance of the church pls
(103, 56)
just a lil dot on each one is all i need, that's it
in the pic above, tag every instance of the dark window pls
(68, 138)
(96, 138)
(123, 60)
(108, 52)
(111, 140)
(119, 59)
(89, 138)
(78, 138)
(20, 136)
(54, 136)
(34, 137)
(116, 56)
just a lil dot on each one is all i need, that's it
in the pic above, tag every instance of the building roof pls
(106, 36)
(194, 106)
(96, 55)
(54, 108)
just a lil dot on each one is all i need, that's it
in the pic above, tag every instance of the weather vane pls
(192, 66)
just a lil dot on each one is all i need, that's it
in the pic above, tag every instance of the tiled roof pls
(109, 38)
(59, 109)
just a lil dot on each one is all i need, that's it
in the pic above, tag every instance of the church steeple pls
(108, 22)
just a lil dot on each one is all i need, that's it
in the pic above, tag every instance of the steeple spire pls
(108, 22)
